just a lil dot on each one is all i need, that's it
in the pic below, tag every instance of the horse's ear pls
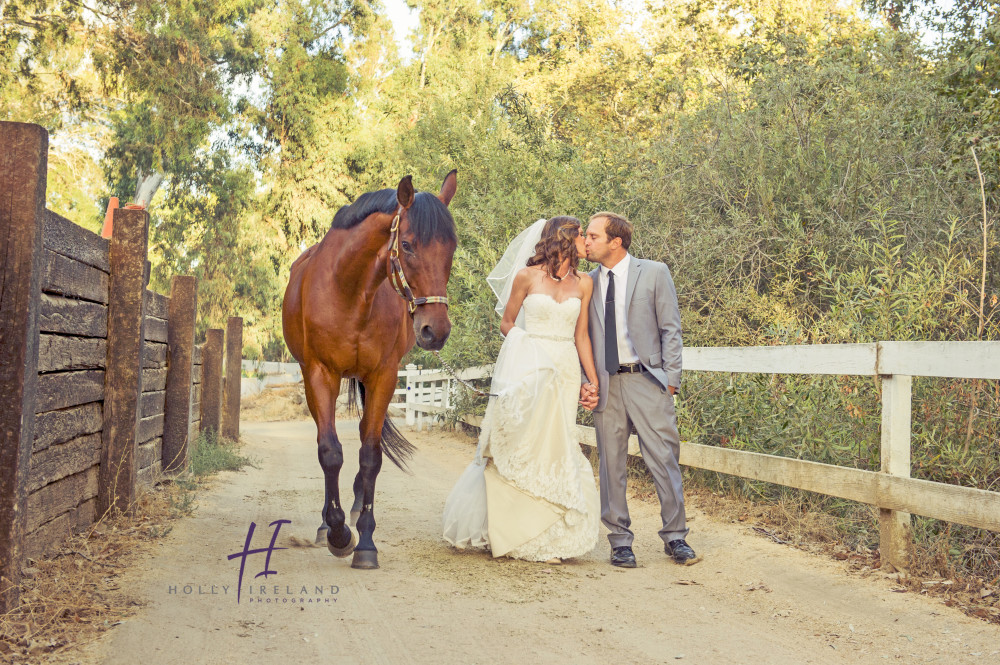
(449, 187)
(404, 192)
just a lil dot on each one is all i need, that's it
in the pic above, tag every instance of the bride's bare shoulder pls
(530, 272)
(527, 276)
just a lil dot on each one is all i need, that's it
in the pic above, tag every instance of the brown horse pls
(343, 317)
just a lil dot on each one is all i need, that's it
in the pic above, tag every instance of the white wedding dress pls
(530, 492)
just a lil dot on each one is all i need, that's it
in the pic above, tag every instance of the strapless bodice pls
(547, 318)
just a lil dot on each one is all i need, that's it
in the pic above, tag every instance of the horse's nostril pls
(426, 333)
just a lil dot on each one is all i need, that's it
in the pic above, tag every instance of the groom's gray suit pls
(640, 399)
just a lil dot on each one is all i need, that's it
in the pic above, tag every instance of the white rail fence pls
(267, 374)
(428, 394)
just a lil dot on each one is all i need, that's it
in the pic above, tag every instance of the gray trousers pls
(637, 399)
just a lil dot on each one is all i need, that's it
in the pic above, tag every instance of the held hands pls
(588, 396)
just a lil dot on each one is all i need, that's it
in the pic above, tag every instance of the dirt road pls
(749, 601)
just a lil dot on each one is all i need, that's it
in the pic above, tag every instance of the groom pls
(635, 329)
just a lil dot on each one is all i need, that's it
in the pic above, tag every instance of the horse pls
(355, 303)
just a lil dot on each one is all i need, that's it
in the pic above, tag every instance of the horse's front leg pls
(322, 389)
(378, 394)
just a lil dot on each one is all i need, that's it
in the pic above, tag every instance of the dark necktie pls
(610, 328)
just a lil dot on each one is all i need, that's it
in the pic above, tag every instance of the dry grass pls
(287, 401)
(72, 596)
(796, 520)
(277, 403)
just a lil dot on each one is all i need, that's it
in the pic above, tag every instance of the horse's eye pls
(407, 247)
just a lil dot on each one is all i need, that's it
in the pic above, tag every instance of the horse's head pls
(426, 244)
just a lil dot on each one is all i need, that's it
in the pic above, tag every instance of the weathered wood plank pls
(23, 172)
(196, 358)
(47, 538)
(59, 353)
(123, 380)
(64, 459)
(961, 360)
(69, 316)
(65, 276)
(152, 403)
(895, 537)
(154, 355)
(154, 379)
(150, 475)
(196, 374)
(149, 428)
(61, 496)
(54, 427)
(964, 505)
(180, 345)
(148, 453)
(856, 359)
(157, 305)
(211, 389)
(234, 374)
(72, 240)
(156, 329)
(60, 390)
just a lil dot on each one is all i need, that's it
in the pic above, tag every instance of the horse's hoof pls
(321, 534)
(341, 552)
(365, 559)
(355, 514)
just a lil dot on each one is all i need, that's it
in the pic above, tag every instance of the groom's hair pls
(616, 227)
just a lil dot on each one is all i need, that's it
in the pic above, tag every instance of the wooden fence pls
(103, 384)
(428, 394)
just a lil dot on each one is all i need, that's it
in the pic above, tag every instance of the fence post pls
(180, 359)
(895, 536)
(123, 376)
(211, 381)
(234, 373)
(23, 171)
(411, 369)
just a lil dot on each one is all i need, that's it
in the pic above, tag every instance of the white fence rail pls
(428, 393)
(267, 374)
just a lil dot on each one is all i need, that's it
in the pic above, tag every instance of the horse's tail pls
(394, 444)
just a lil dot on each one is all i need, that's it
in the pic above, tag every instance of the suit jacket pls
(654, 324)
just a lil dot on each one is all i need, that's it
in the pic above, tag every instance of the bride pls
(530, 492)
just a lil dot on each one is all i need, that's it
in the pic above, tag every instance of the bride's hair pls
(557, 244)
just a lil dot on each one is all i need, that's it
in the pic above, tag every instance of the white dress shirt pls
(626, 351)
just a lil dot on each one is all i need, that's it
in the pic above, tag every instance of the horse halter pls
(396, 276)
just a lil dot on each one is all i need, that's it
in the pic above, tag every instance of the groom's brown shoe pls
(681, 552)
(623, 557)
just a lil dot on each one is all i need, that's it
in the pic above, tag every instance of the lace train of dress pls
(530, 492)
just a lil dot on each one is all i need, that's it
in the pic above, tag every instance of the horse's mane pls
(429, 218)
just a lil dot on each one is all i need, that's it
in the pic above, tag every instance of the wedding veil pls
(501, 279)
